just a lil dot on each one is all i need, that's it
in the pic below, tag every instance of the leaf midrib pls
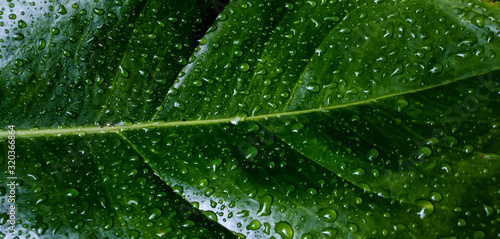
(148, 125)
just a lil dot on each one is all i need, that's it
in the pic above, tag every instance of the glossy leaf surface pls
(273, 119)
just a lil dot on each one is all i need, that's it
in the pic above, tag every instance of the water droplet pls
(244, 67)
(284, 230)
(307, 236)
(297, 127)
(19, 62)
(238, 53)
(352, 227)
(423, 153)
(79, 225)
(468, 149)
(401, 104)
(251, 152)
(154, 213)
(265, 205)
(72, 193)
(372, 154)
(478, 21)
(328, 215)
(98, 11)
(253, 225)
(214, 164)
(203, 183)
(427, 208)
(398, 70)
(43, 198)
(436, 68)
(489, 210)
(461, 222)
(436, 196)
(197, 83)
(179, 105)
(18, 36)
(123, 71)
(313, 87)
(345, 30)
(333, 19)
(358, 171)
(464, 54)
(450, 141)
(188, 224)
(21, 24)
(61, 10)
(479, 235)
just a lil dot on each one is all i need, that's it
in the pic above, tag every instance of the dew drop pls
(203, 183)
(313, 87)
(265, 205)
(244, 67)
(21, 24)
(478, 21)
(427, 208)
(436, 68)
(253, 225)
(284, 230)
(327, 215)
(61, 9)
(251, 152)
(372, 154)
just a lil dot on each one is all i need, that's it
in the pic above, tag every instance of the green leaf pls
(274, 119)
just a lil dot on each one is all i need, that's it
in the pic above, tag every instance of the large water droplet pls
(427, 208)
(284, 230)
(265, 205)
(328, 215)
(72, 193)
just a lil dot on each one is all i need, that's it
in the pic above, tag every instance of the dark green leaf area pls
(83, 62)
(256, 185)
(320, 55)
(434, 148)
(95, 186)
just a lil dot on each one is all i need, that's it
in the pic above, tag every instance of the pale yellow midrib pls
(94, 129)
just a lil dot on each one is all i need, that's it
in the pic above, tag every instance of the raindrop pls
(61, 10)
(254, 225)
(21, 24)
(313, 87)
(436, 196)
(478, 21)
(265, 205)
(284, 230)
(238, 53)
(427, 208)
(244, 67)
(401, 104)
(436, 68)
(327, 215)
(372, 154)
(203, 183)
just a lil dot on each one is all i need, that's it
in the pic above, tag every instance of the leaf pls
(277, 119)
